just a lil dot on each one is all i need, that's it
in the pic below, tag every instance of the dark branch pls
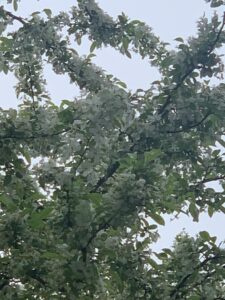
(14, 17)
(213, 179)
(4, 280)
(32, 137)
(184, 280)
(109, 173)
(190, 126)
(169, 97)
(101, 226)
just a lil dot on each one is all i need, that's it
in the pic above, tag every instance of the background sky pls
(169, 19)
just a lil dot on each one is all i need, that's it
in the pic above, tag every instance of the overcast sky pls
(169, 19)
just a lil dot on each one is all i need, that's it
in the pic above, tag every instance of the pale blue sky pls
(169, 19)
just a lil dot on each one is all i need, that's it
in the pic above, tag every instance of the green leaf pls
(216, 3)
(78, 39)
(127, 53)
(93, 46)
(204, 235)
(83, 213)
(179, 39)
(152, 227)
(15, 5)
(122, 84)
(168, 251)
(152, 263)
(51, 255)
(213, 239)
(35, 13)
(26, 155)
(152, 155)
(5, 44)
(210, 211)
(8, 202)
(90, 56)
(161, 255)
(125, 43)
(5, 69)
(222, 142)
(222, 209)
(194, 74)
(136, 22)
(157, 218)
(7, 179)
(156, 82)
(194, 211)
(44, 213)
(48, 12)
(37, 218)
(194, 298)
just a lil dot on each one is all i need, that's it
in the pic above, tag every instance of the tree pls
(83, 184)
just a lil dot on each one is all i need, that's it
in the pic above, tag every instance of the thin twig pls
(190, 126)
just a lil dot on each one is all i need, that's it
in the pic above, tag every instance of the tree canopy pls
(84, 183)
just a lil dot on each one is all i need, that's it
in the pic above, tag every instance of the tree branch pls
(174, 292)
(206, 180)
(191, 126)
(109, 173)
(14, 17)
(31, 137)
(101, 226)
(4, 280)
(169, 97)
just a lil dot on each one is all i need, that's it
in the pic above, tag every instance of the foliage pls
(83, 184)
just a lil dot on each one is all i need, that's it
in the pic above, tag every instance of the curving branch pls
(13, 17)
(162, 109)
(206, 180)
(182, 283)
(102, 226)
(190, 126)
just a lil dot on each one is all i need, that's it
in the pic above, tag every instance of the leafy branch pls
(162, 109)
(191, 126)
(32, 137)
(182, 283)
(109, 173)
(12, 16)
(103, 226)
